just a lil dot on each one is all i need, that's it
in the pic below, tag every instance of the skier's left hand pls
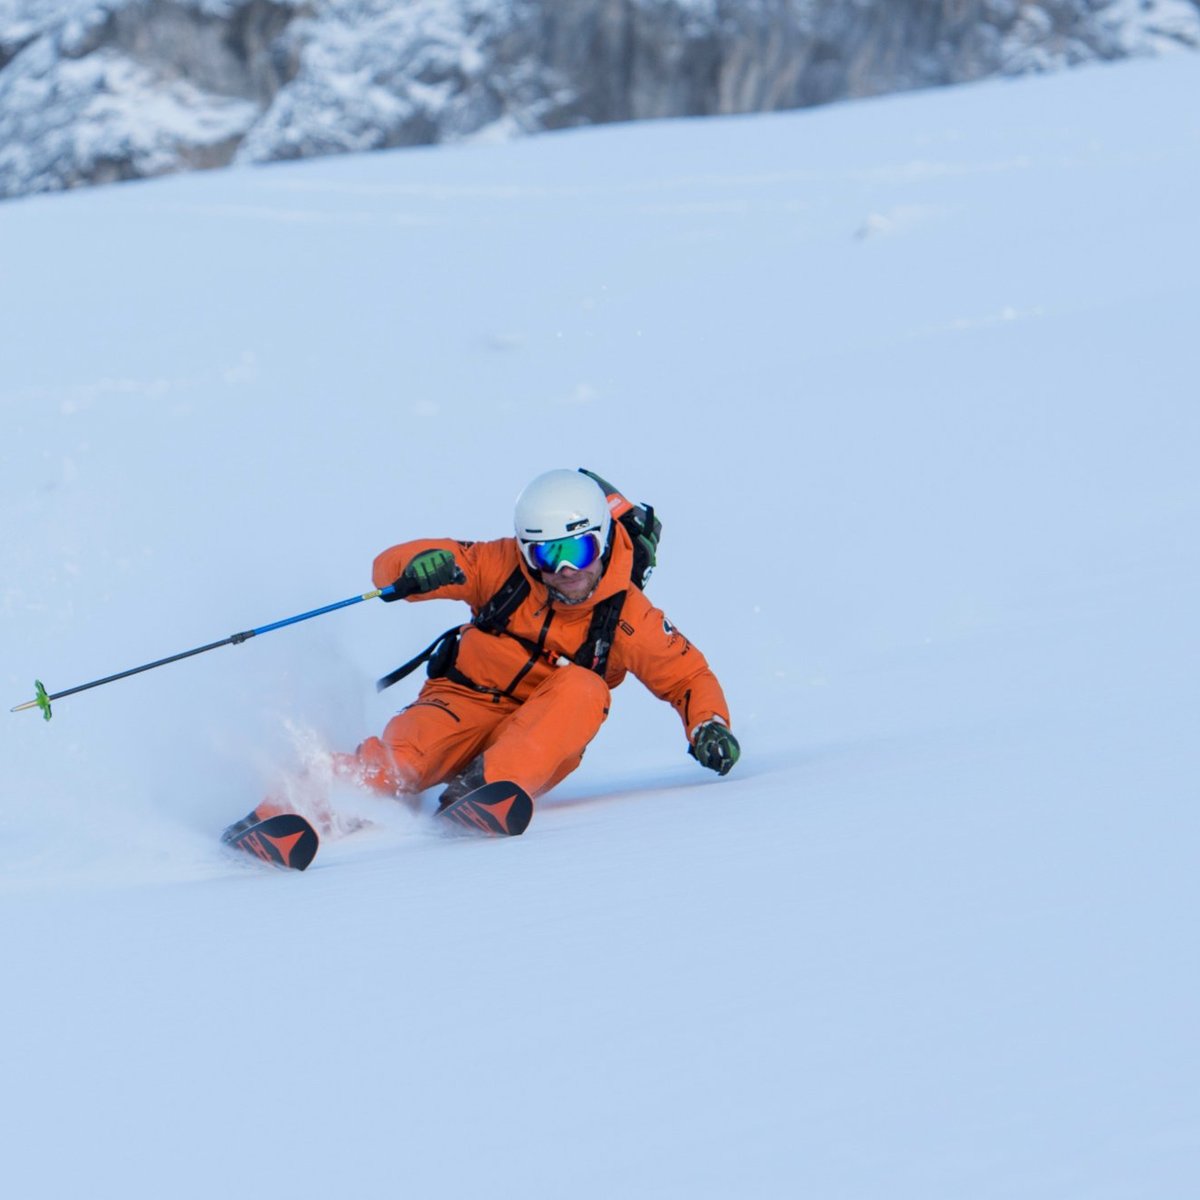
(714, 746)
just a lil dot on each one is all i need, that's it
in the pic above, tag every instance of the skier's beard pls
(559, 598)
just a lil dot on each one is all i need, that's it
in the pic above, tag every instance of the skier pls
(558, 619)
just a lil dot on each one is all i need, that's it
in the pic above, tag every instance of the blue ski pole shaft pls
(42, 699)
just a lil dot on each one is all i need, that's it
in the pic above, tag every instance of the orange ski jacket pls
(645, 642)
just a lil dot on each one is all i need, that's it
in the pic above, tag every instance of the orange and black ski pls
(287, 840)
(498, 809)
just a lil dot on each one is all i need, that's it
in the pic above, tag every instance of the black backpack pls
(643, 527)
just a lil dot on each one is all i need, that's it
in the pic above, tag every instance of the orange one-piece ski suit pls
(529, 710)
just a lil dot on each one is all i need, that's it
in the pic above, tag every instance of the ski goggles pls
(578, 552)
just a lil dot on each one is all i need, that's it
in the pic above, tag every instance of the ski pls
(287, 840)
(499, 809)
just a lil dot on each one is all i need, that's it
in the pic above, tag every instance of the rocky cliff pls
(98, 90)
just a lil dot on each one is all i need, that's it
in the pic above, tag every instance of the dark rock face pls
(97, 90)
(226, 55)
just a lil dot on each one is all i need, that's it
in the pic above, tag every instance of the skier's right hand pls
(426, 573)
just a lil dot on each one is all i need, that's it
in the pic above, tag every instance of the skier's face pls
(574, 586)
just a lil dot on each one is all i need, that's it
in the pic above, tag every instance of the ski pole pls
(42, 700)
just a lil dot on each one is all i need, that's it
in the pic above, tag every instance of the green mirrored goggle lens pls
(577, 552)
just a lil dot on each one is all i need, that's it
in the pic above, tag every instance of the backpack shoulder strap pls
(494, 615)
(593, 654)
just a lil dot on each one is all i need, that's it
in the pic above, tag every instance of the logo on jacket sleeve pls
(674, 637)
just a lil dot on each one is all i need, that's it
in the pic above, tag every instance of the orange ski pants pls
(535, 743)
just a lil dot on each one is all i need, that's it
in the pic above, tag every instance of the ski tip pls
(287, 840)
(501, 809)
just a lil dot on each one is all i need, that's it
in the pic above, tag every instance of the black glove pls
(714, 746)
(429, 571)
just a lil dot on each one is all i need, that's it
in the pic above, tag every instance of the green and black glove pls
(429, 571)
(714, 746)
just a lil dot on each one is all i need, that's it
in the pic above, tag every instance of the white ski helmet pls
(561, 504)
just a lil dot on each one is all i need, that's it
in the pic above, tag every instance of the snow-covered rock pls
(97, 90)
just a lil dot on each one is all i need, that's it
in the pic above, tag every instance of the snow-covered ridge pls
(118, 89)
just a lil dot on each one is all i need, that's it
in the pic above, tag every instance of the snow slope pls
(912, 383)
